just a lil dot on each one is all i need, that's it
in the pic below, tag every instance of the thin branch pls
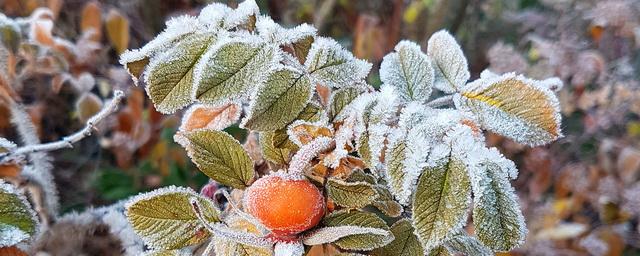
(442, 101)
(67, 142)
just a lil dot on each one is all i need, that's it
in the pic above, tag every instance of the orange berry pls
(285, 206)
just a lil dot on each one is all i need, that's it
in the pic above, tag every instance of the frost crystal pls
(331, 65)
(289, 249)
(450, 65)
(409, 71)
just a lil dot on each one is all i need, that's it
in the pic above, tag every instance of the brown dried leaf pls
(91, 21)
(118, 30)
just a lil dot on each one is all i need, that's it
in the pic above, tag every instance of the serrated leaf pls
(311, 113)
(396, 174)
(231, 70)
(201, 116)
(165, 219)
(405, 243)
(351, 194)
(363, 242)
(284, 95)
(496, 214)
(331, 65)
(340, 99)
(385, 202)
(449, 63)
(441, 201)
(302, 46)
(467, 245)
(360, 175)
(227, 247)
(409, 71)
(364, 151)
(327, 235)
(135, 61)
(514, 106)
(170, 76)
(18, 222)
(219, 156)
(271, 153)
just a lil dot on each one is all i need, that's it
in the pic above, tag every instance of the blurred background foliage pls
(580, 195)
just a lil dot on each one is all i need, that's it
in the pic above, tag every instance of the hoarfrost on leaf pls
(449, 63)
(288, 249)
(327, 235)
(164, 218)
(409, 71)
(200, 116)
(513, 106)
(467, 245)
(360, 242)
(18, 222)
(351, 194)
(331, 65)
(233, 68)
(170, 75)
(405, 243)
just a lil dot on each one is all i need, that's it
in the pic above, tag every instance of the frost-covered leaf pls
(340, 99)
(232, 69)
(9, 33)
(360, 175)
(363, 242)
(302, 132)
(18, 222)
(6, 145)
(331, 65)
(302, 46)
(170, 75)
(272, 153)
(496, 214)
(351, 194)
(288, 249)
(514, 106)
(449, 63)
(441, 201)
(165, 253)
(467, 245)
(219, 156)
(201, 116)
(409, 71)
(284, 95)
(299, 39)
(135, 61)
(239, 230)
(243, 17)
(405, 243)
(327, 235)
(385, 202)
(165, 219)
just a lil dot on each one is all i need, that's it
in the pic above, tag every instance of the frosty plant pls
(336, 161)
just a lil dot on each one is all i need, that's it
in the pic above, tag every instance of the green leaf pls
(409, 71)
(219, 156)
(18, 222)
(467, 245)
(311, 113)
(385, 202)
(271, 153)
(170, 76)
(496, 214)
(364, 242)
(232, 69)
(284, 95)
(360, 175)
(340, 99)
(165, 219)
(327, 235)
(331, 65)
(441, 201)
(227, 247)
(351, 194)
(396, 174)
(364, 151)
(9, 34)
(405, 243)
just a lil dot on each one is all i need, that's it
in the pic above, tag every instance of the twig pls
(442, 101)
(67, 142)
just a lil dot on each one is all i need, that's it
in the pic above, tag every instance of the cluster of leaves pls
(306, 99)
(581, 195)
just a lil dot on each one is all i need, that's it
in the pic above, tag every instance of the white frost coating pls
(222, 231)
(241, 14)
(307, 152)
(13, 235)
(203, 66)
(274, 33)
(327, 235)
(213, 14)
(449, 63)
(554, 84)
(409, 71)
(158, 192)
(288, 249)
(502, 122)
(418, 149)
(176, 28)
(6, 144)
(331, 65)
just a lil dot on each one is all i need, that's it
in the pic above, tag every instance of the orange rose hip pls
(285, 206)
